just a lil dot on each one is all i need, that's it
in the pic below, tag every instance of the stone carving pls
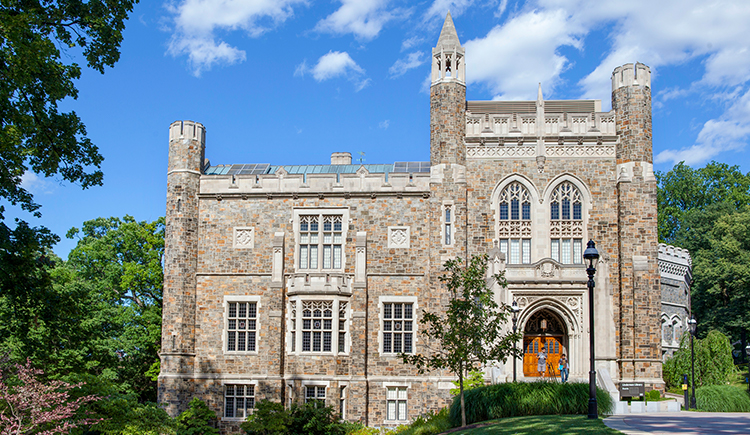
(398, 237)
(548, 269)
(244, 238)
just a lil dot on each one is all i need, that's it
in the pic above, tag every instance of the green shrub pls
(197, 419)
(713, 361)
(722, 398)
(428, 424)
(270, 418)
(653, 395)
(475, 379)
(527, 398)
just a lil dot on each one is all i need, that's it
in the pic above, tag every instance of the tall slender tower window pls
(514, 229)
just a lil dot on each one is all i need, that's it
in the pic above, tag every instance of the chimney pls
(341, 158)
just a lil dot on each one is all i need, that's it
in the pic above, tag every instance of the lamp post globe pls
(515, 309)
(692, 325)
(590, 255)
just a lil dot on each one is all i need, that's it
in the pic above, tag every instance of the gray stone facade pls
(675, 267)
(298, 282)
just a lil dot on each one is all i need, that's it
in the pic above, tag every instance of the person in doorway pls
(564, 368)
(541, 364)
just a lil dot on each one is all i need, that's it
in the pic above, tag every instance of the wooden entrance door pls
(531, 347)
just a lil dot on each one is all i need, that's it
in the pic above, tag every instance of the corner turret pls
(448, 56)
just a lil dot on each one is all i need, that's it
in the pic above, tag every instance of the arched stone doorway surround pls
(567, 307)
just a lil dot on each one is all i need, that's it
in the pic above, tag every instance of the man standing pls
(541, 364)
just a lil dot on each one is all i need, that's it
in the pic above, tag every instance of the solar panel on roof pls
(411, 167)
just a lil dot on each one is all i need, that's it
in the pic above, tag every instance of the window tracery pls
(566, 224)
(514, 223)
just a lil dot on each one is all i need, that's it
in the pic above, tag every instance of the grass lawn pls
(541, 425)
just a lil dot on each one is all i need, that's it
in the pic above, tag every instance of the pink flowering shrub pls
(28, 405)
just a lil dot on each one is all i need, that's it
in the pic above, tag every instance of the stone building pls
(675, 267)
(294, 283)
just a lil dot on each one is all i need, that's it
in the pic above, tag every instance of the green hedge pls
(527, 398)
(722, 398)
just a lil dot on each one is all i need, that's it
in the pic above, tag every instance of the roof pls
(265, 168)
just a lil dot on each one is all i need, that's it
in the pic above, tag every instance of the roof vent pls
(341, 158)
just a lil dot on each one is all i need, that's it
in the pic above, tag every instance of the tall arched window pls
(566, 224)
(514, 229)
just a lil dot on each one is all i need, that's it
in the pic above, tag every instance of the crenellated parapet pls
(631, 75)
(674, 262)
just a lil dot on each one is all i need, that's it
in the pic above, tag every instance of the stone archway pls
(544, 329)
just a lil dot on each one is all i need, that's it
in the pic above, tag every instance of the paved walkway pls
(685, 423)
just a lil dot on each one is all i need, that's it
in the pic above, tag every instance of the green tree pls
(268, 418)
(119, 263)
(713, 361)
(34, 135)
(470, 332)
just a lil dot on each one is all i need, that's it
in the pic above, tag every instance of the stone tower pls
(639, 293)
(447, 148)
(187, 141)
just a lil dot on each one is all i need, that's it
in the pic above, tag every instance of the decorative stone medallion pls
(398, 237)
(244, 237)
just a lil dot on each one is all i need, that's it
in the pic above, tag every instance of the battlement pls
(187, 130)
(631, 75)
(674, 254)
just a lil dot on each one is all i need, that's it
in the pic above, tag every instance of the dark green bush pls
(270, 418)
(197, 419)
(722, 398)
(527, 398)
(653, 395)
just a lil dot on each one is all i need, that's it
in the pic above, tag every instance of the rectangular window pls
(556, 249)
(526, 211)
(577, 211)
(514, 210)
(515, 251)
(555, 210)
(448, 223)
(526, 250)
(565, 251)
(321, 244)
(577, 251)
(504, 211)
(315, 393)
(504, 247)
(342, 402)
(241, 326)
(321, 330)
(565, 209)
(239, 400)
(396, 404)
(397, 327)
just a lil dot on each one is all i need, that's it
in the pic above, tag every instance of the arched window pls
(566, 224)
(514, 229)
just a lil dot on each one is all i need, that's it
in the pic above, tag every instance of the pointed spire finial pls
(539, 98)
(448, 36)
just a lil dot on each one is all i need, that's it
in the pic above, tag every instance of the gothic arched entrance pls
(546, 330)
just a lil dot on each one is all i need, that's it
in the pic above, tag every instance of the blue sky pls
(290, 81)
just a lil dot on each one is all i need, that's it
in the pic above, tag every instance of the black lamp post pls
(747, 352)
(514, 307)
(692, 324)
(591, 255)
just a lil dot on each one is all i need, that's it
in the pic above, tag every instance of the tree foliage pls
(271, 418)
(34, 135)
(707, 211)
(713, 361)
(470, 332)
(197, 419)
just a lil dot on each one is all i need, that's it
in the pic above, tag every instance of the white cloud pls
(522, 53)
(411, 42)
(384, 124)
(362, 18)
(335, 64)
(36, 184)
(730, 132)
(413, 60)
(439, 8)
(196, 21)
